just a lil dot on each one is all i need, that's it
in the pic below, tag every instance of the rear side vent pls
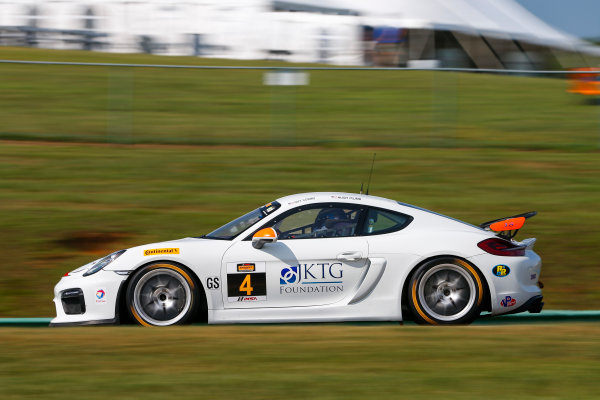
(72, 301)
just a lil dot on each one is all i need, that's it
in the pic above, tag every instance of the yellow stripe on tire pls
(418, 307)
(174, 268)
(138, 318)
(476, 275)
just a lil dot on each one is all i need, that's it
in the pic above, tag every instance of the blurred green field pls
(337, 108)
(300, 362)
(63, 204)
(473, 146)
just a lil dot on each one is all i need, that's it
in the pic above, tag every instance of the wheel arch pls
(406, 311)
(122, 310)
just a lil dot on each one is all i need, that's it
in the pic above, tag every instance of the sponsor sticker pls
(501, 270)
(246, 267)
(288, 275)
(246, 298)
(154, 252)
(311, 278)
(508, 302)
(100, 294)
(300, 201)
(346, 197)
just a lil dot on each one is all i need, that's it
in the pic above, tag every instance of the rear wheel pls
(446, 291)
(162, 294)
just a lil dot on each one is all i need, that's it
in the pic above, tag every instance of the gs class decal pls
(246, 282)
(213, 282)
(501, 270)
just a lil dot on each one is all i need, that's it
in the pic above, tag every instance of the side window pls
(383, 221)
(318, 222)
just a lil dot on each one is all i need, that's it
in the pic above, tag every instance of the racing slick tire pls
(163, 294)
(446, 291)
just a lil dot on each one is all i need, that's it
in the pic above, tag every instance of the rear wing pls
(508, 227)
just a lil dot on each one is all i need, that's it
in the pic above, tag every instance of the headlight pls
(103, 262)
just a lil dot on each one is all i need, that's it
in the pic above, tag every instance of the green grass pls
(473, 146)
(300, 362)
(62, 205)
(337, 108)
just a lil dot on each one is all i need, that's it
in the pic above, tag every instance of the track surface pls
(310, 361)
(544, 316)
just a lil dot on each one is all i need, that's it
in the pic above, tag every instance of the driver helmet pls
(333, 215)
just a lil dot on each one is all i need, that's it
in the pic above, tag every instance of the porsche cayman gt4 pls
(314, 257)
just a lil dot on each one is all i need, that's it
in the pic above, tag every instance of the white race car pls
(314, 257)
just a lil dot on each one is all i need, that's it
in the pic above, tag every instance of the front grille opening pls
(73, 302)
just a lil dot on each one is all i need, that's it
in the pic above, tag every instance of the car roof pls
(335, 197)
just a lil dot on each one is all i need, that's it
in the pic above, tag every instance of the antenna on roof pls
(370, 174)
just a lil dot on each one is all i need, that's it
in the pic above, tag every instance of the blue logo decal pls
(288, 275)
(501, 270)
(508, 302)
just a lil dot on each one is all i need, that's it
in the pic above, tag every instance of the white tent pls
(495, 18)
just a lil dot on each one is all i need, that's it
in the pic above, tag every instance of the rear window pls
(384, 221)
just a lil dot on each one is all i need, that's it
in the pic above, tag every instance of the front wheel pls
(446, 291)
(161, 295)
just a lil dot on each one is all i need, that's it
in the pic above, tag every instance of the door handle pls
(350, 256)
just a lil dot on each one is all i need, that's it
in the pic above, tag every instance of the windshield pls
(239, 225)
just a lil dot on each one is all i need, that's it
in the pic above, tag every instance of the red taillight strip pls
(501, 247)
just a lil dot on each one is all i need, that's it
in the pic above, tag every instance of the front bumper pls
(89, 300)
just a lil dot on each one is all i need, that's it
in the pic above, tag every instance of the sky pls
(577, 17)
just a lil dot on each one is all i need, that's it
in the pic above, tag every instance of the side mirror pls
(266, 235)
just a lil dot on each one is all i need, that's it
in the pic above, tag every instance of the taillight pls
(501, 247)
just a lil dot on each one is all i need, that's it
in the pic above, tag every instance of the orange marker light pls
(508, 224)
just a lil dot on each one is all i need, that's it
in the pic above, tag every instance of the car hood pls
(188, 251)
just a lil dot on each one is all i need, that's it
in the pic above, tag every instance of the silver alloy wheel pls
(162, 297)
(447, 292)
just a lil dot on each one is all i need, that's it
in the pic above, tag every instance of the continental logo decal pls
(246, 267)
(154, 252)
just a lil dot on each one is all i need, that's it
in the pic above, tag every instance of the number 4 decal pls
(250, 286)
(246, 285)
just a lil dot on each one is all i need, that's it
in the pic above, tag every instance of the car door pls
(317, 260)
